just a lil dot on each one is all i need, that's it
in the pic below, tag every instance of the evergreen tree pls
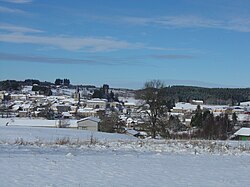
(58, 82)
(196, 120)
(234, 118)
(66, 82)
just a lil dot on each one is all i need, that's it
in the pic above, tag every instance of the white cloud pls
(18, 1)
(43, 59)
(25, 35)
(92, 60)
(14, 28)
(11, 10)
(71, 43)
(235, 24)
(171, 56)
(90, 44)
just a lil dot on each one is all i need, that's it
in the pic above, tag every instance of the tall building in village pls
(105, 90)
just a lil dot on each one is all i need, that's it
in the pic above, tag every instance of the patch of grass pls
(62, 141)
(20, 141)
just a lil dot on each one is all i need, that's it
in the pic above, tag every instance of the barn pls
(90, 123)
(242, 134)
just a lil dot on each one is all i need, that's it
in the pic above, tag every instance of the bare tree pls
(154, 96)
(111, 123)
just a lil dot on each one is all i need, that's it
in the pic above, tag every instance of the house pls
(66, 115)
(245, 104)
(90, 123)
(130, 107)
(15, 97)
(2, 95)
(242, 134)
(197, 102)
(87, 112)
(62, 108)
(96, 103)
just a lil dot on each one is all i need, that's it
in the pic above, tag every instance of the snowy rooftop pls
(243, 132)
(185, 106)
(189, 106)
(91, 118)
(97, 101)
(243, 117)
(245, 103)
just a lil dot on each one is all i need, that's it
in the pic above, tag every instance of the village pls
(78, 108)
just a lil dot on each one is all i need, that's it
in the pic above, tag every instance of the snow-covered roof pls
(185, 106)
(97, 100)
(247, 103)
(69, 100)
(130, 100)
(243, 132)
(17, 95)
(56, 97)
(85, 110)
(129, 120)
(66, 114)
(129, 104)
(133, 132)
(243, 117)
(37, 96)
(189, 106)
(91, 118)
(16, 107)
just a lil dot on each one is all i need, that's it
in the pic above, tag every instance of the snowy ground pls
(39, 157)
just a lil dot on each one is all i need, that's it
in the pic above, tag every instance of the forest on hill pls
(215, 96)
(231, 96)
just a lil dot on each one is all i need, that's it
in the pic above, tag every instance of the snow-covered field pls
(65, 157)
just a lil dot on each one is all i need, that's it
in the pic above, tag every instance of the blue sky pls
(125, 43)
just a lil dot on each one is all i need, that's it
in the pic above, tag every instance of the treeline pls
(14, 85)
(64, 82)
(232, 96)
(10, 85)
(212, 127)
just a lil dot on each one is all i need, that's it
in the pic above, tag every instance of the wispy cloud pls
(190, 21)
(171, 56)
(91, 60)
(14, 28)
(26, 35)
(18, 1)
(43, 59)
(71, 43)
(174, 21)
(11, 10)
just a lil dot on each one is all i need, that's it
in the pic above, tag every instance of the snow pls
(10, 134)
(28, 122)
(34, 157)
(28, 166)
(243, 132)
(132, 132)
(192, 107)
(243, 117)
(185, 106)
(91, 118)
(247, 103)
(130, 101)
